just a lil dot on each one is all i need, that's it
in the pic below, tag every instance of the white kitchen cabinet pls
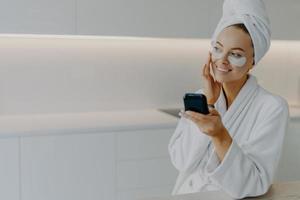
(183, 19)
(68, 167)
(289, 165)
(144, 168)
(142, 144)
(143, 193)
(119, 165)
(144, 18)
(9, 169)
(38, 17)
(145, 174)
(284, 16)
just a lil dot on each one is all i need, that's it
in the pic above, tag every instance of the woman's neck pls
(231, 89)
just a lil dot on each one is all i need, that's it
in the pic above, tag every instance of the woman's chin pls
(221, 78)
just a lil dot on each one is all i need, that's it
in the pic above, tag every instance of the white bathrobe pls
(257, 121)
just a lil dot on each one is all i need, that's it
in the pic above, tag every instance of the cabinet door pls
(144, 18)
(144, 168)
(38, 17)
(289, 165)
(283, 16)
(68, 167)
(145, 193)
(143, 144)
(9, 169)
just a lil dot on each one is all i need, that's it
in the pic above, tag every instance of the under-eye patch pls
(234, 59)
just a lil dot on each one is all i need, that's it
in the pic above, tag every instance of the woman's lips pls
(223, 70)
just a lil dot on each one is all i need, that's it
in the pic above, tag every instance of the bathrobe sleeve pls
(248, 169)
(187, 146)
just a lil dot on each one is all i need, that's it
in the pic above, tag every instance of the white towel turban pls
(251, 13)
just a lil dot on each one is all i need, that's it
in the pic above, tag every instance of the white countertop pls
(20, 125)
(278, 191)
(295, 112)
(89, 122)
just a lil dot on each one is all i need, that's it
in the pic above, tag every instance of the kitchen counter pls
(294, 112)
(106, 121)
(85, 122)
(278, 191)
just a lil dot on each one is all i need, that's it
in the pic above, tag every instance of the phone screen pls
(196, 102)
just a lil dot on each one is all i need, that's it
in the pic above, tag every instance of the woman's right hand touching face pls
(212, 88)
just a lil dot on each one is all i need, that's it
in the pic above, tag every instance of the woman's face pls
(232, 55)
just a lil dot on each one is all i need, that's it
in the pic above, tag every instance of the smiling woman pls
(236, 55)
(229, 149)
(232, 52)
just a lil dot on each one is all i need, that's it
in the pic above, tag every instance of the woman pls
(236, 148)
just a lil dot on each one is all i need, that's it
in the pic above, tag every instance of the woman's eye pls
(236, 55)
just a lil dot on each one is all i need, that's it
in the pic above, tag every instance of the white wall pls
(81, 74)
(168, 18)
(56, 75)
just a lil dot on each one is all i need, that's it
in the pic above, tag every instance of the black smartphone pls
(195, 102)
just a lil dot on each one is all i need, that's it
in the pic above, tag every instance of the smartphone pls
(195, 102)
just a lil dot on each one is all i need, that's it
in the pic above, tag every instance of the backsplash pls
(279, 70)
(54, 74)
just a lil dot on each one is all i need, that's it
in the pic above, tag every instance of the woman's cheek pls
(242, 70)
(238, 73)
(214, 69)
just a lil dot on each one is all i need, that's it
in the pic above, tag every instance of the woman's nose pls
(224, 59)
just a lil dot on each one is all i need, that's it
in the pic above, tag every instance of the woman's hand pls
(210, 124)
(212, 88)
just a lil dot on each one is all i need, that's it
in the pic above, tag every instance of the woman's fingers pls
(190, 117)
(206, 68)
(209, 63)
(208, 59)
(200, 116)
(194, 115)
(207, 74)
(203, 70)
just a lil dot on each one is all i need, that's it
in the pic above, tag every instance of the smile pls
(223, 70)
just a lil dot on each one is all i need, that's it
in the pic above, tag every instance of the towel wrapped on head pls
(251, 13)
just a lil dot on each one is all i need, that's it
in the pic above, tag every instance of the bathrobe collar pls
(242, 102)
